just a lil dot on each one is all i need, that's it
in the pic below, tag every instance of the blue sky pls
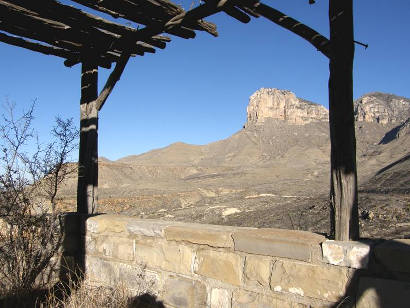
(197, 90)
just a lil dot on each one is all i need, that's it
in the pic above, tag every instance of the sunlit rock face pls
(268, 103)
(382, 108)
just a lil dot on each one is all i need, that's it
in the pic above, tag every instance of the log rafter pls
(67, 28)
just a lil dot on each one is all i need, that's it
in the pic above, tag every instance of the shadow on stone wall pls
(145, 301)
(386, 281)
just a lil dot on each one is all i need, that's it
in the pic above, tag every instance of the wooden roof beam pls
(46, 31)
(71, 16)
(63, 27)
(47, 50)
(233, 8)
(237, 14)
(112, 80)
(46, 37)
(161, 10)
(71, 57)
(319, 41)
(23, 22)
(103, 61)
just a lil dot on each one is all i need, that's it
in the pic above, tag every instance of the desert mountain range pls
(272, 173)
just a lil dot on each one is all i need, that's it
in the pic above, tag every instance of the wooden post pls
(88, 152)
(343, 190)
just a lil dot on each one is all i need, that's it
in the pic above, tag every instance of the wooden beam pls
(343, 194)
(72, 56)
(150, 13)
(87, 188)
(47, 50)
(74, 17)
(16, 24)
(103, 61)
(320, 42)
(23, 22)
(112, 80)
(66, 27)
(237, 14)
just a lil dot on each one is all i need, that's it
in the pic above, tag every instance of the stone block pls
(382, 293)
(215, 236)
(101, 271)
(350, 253)
(221, 298)
(184, 293)
(223, 266)
(160, 254)
(246, 299)
(107, 223)
(299, 245)
(149, 227)
(115, 247)
(257, 271)
(138, 278)
(325, 282)
(91, 245)
(394, 255)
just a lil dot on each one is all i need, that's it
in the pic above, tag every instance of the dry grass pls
(77, 293)
(82, 295)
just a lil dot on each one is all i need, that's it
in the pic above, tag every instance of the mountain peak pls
(283, 105)
(382, 108)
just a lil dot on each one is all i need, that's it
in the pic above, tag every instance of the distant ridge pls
(382, 108)
(271, 103)
(272, 173)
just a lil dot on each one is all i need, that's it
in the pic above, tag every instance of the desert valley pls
(272, 173)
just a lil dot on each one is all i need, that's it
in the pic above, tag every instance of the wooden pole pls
(88, 152)
(343, 190)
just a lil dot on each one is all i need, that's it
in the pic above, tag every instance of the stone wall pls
(195, 265)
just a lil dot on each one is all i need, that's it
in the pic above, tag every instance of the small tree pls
(29, 180)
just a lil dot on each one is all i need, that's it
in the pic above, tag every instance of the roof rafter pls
(67, 28)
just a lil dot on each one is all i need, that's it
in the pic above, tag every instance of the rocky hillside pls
(272, 173)
(268, 103)
(382, 108)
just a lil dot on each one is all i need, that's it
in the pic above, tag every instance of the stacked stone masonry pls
(196, 265)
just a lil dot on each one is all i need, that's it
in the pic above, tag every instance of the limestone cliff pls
(382, 108)
(374, 107)
(283, 105)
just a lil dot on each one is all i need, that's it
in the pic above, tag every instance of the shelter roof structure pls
(54, 28)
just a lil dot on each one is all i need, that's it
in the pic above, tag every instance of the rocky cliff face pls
(283, 105)
(382, 108)
(374, 107)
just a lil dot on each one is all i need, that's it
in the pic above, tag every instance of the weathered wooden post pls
(343, 190)
(88, 151)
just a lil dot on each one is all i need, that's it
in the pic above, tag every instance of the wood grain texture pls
(343, 192)
(87, 188)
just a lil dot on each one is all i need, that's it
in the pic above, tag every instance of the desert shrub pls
(30, 175)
